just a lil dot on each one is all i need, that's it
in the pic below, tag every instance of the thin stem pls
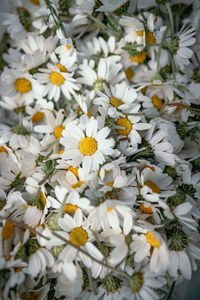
(171, 290)
(102, 25)
(43, 180)
(62, 206)
(170, 17)
(160, 47)
(57, 20)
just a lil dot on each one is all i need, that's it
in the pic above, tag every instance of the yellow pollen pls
(143, 90)
(97, 28)
(110, 208)
(125, 123)
(37, 117)
(78, 236)
(152, 186)
(42, 200)
(68, 47)
(56, 78)
(61, 68)
(157, 102)
(77, 185)
(116, 102)
(2, 149)
(140, 32)
(22, 85)
(58, 131)
(61, 151)
(129, 73)
(150, 38)
(150, 167)
(152, 240)
(110, 184)
(70, 208)
(7, 230)
(146, 209)
(79, 111)
(73, 170)
(18, 269)
(36, 2)
(140, 57)
(88, 146)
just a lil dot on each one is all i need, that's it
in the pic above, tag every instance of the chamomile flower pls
(146, 242)
(118, 98)
(89, 148)
(77, 232)
(56, 81)
(20, 85)
(106, 73)
(179, 46)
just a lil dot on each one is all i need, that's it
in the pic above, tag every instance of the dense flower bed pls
(99, 148)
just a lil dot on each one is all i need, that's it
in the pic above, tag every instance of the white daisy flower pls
(112, 214)
(99, 47)
(142, 285)
(154, 185)
(20, 85)
(77, 232)
(149, 241)
(179, 46)
(88, 148)
(66, 51)
(109, 73)
(56, 81)
(118, 98)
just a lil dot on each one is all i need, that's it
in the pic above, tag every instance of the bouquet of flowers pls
(99, 148)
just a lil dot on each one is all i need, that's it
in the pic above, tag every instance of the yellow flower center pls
(140, 32)
(125, 123)
(2, 149)
(79, 111)
(152, 240)
(129, 73)
(150, 38)
(153, 186)
(58, 131)
(157, 102)
(77, 185)
(68, 47)
(7, 230)
(70, 208)
(150, 167)
(37, 117)
(61, 68)
(140, 57)
(110, 184)
(73, 170)
(22, 85)
(88, 146)
(56, 78)
(146, 209)
(42, 200)
(78, 236)
(110, 208)
(36, 2)
(61, 151)
(143, 90)
(116, 102)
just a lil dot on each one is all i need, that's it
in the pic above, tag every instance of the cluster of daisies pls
(99, 148)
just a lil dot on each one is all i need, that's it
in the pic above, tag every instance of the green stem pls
(171, 290)
(170, 17)
(160, 47)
